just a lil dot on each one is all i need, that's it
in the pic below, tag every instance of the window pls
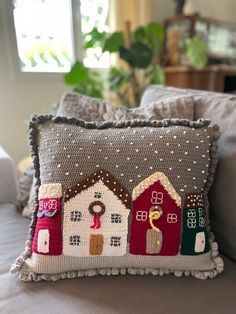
(201, 222)
(116, 218)
(141, 215)
(49, 33)
(97, 195)
(74, 240)
(75, 216)
(115, 241)
(157, 197)
(44, 43)
(172, 218)
(191, 221)
(94, 13)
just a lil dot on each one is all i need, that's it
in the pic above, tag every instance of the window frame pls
(15, 71)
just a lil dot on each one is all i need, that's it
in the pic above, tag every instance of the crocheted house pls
(156, 217)
(95, 218)
(48, 235)
(194, 234)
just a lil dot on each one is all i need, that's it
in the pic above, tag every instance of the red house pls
(48, 234)
(156, 217)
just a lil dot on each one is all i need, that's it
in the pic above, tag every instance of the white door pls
(200, 242)
(43, 241)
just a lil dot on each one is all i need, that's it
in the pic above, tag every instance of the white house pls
(95, 218)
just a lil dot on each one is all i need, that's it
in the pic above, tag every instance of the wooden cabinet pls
(212, 78)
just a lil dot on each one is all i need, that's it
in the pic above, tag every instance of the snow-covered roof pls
(108, 179)
(164, 181)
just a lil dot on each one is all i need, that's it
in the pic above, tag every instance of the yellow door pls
(96, 244)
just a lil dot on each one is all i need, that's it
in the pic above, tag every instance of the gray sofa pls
(119, 294)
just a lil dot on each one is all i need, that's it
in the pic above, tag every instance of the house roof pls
(108, 179)
(193, 200)
(164, 181)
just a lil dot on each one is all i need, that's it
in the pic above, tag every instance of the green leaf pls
(77, 75)
(138, 56)
(118, 78)
(140, 35)
(114, 42)
(197, 52)
(155, 37)
(94, 39)
(155, 31)
(155, 74)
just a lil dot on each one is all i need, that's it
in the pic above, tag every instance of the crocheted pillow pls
(121, 197)
(74, 105)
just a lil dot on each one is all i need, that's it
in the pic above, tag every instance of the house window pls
(157, 197)
(191, 221)
(74, 240)
(115, 241)
(116, 218)
(75, 216)
(97, 195)
(141, 215)
(201, 222)
(172, 218)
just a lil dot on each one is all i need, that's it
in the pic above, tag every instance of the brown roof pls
(108, 179)
(193, 200)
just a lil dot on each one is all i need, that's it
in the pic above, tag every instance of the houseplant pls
(137, 64)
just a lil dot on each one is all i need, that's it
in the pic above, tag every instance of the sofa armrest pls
(8, 185)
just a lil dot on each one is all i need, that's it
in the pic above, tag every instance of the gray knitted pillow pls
(124, 197)
(74, 105)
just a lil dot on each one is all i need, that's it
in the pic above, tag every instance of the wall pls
(20, 98)
(216, 9)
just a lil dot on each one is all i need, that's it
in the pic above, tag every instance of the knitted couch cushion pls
(74, 105)
(121, 197)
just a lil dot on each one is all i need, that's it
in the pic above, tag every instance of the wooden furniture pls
(219, 35)
(212, 78)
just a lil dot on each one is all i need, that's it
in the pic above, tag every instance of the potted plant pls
(139, 52)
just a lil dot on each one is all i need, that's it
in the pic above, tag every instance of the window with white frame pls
(95, 14)
(45, 37)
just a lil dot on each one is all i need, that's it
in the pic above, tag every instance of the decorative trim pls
(47, 213)
(18, 266)
(157, 176)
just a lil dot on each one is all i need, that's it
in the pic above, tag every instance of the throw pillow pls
(74, 105)
(121, 197)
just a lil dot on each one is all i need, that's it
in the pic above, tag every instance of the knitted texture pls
(93, 109)
(169, 160)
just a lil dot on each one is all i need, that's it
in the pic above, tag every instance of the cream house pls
(95, 218)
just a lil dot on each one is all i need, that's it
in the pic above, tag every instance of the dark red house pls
(48, 234)
(156, 217)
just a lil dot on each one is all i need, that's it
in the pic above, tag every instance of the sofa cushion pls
(221, 109)
(132, 197)
(74, 105)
